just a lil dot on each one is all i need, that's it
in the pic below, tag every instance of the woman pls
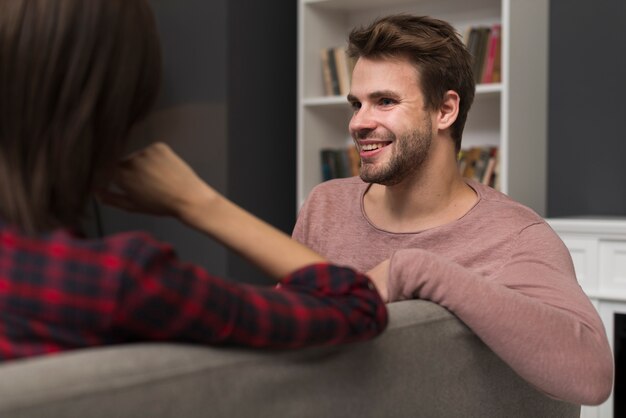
(75, 76)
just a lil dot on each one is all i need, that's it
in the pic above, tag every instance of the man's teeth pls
(372, 147)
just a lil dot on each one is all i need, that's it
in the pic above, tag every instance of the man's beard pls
(410, 152)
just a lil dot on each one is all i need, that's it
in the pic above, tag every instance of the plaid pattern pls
(61, 292)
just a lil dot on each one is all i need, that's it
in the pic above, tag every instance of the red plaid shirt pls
(61, 292)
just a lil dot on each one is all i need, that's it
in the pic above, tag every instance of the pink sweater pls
(500, 268)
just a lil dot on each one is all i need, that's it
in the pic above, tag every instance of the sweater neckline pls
(471, 183)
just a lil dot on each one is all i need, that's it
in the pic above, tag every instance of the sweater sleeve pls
(532, 312)
(163, 298)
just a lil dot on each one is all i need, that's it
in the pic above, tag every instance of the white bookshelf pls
(511, 115)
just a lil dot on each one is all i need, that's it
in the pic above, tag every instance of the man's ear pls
(449, 110)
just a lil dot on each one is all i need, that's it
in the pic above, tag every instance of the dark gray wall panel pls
(191, 116)
(228, 107)
(262, 115)
(587, 110)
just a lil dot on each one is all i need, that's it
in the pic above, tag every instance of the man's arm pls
(532, 312)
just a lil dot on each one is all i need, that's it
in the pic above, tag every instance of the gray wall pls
(228, 108)
(262, 114)
(587, 109)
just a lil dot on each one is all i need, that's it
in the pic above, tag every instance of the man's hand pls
(380, 276)
(156, 181)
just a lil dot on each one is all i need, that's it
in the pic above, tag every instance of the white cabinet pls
(584, 255)
(598, 249)
(511, 115)
(612, 271)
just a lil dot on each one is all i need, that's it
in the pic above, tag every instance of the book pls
(466, 36)
(482, 161)
(329, 164)
(496, 174)
(484, 43)
(472, 43)
(326, 76)
(471, 156)
(480, 164)
(496, 76)
(343, 70)
(355, 160)
(490, 173)
(461, 161)
(481, 52)
(332, 65)
(339, 162)
(490, 59)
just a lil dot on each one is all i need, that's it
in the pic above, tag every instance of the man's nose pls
(362, 122)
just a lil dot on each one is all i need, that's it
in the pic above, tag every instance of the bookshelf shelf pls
(325, 101)
(486, 89)
(360, 5)
(511, 115)
(481, 90)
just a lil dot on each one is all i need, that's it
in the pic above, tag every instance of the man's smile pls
(371, 148)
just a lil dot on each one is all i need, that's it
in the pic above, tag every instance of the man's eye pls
(386, 102)
(355, 105)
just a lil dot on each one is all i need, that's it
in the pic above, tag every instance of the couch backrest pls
(427, 364)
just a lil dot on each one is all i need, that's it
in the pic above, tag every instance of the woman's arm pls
(155, 180)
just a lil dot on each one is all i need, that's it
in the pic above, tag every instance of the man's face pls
(390, 127)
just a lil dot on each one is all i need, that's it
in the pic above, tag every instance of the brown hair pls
(75, 75)
(436, 50)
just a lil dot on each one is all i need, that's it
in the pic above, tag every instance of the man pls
(75, 76)
(423, 231)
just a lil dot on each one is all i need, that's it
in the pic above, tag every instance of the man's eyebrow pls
(376, 95)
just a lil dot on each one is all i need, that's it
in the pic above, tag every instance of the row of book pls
(337, 69)
(481, 164)
(339, 162)
(484, 43)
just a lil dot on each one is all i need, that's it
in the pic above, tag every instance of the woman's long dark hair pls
(75, 75)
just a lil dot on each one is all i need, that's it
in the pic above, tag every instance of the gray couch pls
(427, 364)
